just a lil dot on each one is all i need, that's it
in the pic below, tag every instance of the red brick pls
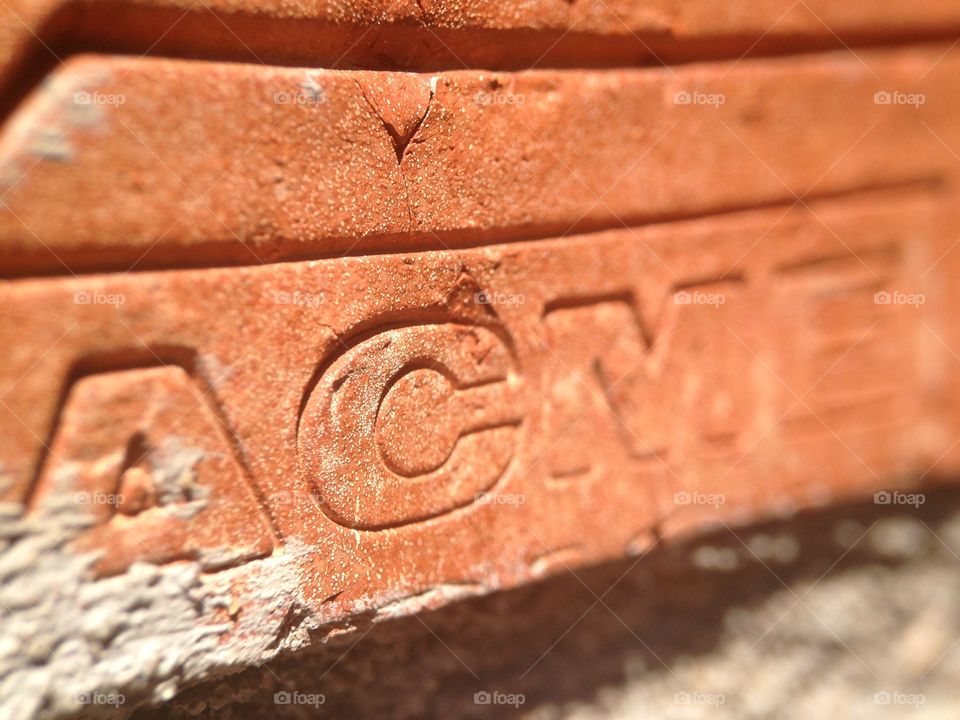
(375, 399)
(235, 177)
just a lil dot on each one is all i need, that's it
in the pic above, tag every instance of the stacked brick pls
(315, 313)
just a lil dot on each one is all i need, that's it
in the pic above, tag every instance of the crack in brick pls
(401, 124)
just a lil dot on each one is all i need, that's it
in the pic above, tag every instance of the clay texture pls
(316, 315)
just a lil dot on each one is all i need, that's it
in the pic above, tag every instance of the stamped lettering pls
(140, 453)
(411, 423)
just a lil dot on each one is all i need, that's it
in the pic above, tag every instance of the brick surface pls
(418, 35)
(252, 165)
(289, 346)
(583, 383)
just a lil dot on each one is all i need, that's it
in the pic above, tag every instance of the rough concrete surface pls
(846, 612)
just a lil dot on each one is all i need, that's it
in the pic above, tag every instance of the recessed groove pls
(122, 28)
(225, 252)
